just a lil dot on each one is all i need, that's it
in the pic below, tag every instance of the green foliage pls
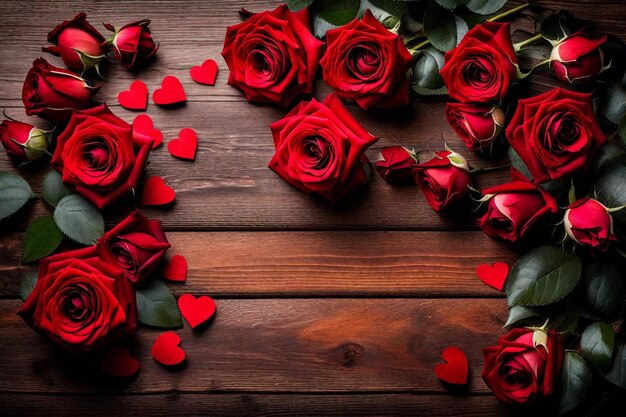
(14, 193)
(485, 7)
(559, 25)
(616, 373)
(575, 382)
(519, 314)
(54, 189)
(79, 220)
(42, 237)
(296, 5)
(610, 187)
(157, 307)
(27, 284)
(596, 344)
(604, 288)
(425, 78)
(443, 29)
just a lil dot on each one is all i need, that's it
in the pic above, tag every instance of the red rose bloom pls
(80, 302)
(320, 149)
(54, 93)
(136, 245)
(555, 133)
(367, 63)
(272, 56)
(577, 58)
(514, 208)
(483, 66)
(98, 157)
(396, 165)
(589, 223)
(518, 372)
(133, 45)
(79, 44)
(444, 180)
(22, 141)
(477, 125)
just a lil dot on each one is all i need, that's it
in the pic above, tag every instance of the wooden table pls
(321, 310)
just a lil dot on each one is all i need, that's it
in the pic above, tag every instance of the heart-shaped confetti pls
(143, 128)
(196, 310)
(493, 275)
(171, 92)
(166, 350)
(184, 147)
(176, 269)
(156, 192)
(117, 361)
(135, 98)
(205, 73)
(456, 368)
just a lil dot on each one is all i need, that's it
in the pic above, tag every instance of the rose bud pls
(587, 222)
(444, 180)
(478, 125)
(396, 165)
(577, 58)
(133, 45)
(514, 208)
(136, 245)
(54, 93)
(525, 366)
(79, 44)
(22, 141)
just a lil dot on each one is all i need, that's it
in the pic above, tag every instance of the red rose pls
(80, 302)
(367, 63)
(272, 56)
(136, 245)
(78, 43)
(577, 57)
(54, 93)
(589, 223)
(396, 165)
(444, 180)
(555, 133)
(22, 141)
(483, 66)
(477, 125)
(133, 45)
(98, 156)
(514, 208)
(320, 149)
(523, 368)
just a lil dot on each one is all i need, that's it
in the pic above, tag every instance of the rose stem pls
(489, 169)
(520, 45)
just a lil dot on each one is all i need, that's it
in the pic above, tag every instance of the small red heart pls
(135, 98)
(185, 146)
(456, 368)
(196, 310)
(493, 275)
(143, 128)
(205, 73)
(166, 351)
(156, 192)
(176, 269)
(171, 92)
(118, 362)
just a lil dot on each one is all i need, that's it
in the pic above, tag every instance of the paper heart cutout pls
(176, 269)
(166, 350)
(493, 275)
(117, 361)
(184, 147)
(156, 192)
(171, 92)
(135, 98)
(456, 368)
(205, 73)
(143, 128)
(196, 310)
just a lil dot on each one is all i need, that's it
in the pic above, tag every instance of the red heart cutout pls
(144, 129)
(156, 192)
(456, 368)
(493, 275)
(166, 351)
(135, 98)
(196, 310)
(185, 146)
(171, 92)
(175, 269)
(118, 362)
(205, 73)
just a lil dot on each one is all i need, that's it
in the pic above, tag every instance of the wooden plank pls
(292, 345)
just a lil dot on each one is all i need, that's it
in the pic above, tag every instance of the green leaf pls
(319, 26)
(559, 25)
(575, 382)
(604, 288)
(542, 276)
(79, 220)
(616, 373)
(520, 313)
(393, 7)
(610, 153)
(557, 188)
(485, 7)
(425, 78)
(451, 4)
(295, 5)
(42, 237)
(27, 284)
(610, 187)
(54, 189)
(596, 344)
(440, 26)
(622, 130)
(337, 12)
(157, 307)
(14, 193)
(613, 103)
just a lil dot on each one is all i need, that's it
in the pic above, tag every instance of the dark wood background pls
(321, 310)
